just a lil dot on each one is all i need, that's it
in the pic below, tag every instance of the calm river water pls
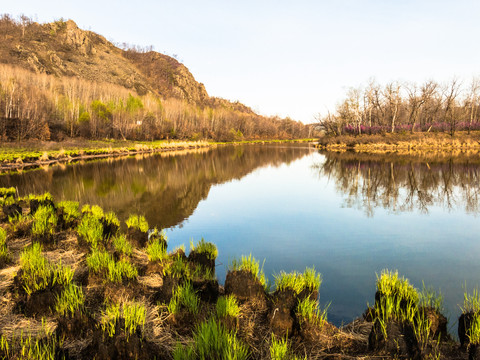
(348, 215)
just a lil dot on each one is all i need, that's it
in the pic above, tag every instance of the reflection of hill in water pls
(165, 187)
(405, 183)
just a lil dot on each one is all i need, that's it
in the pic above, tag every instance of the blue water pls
(291, 217)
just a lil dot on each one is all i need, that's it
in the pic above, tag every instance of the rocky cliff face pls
(63, 49)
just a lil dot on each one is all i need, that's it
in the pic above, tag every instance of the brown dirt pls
(243, 285)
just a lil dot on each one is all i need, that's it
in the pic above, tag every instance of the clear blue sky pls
(284, 57)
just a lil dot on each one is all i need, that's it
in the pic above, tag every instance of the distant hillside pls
(62, 49)
(150, 95)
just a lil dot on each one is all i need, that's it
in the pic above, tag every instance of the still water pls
(348, 215)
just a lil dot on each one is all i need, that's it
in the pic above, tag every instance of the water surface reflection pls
(404, 183)
(165, 187)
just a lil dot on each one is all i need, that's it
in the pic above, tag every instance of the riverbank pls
(74, 284)
(403, 143)
(42, 153)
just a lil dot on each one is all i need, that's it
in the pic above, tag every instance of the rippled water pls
(348, 215)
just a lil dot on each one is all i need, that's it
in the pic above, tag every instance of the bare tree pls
(450, 93)
(392, 93)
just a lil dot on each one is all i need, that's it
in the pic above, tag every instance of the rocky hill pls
(63, 49)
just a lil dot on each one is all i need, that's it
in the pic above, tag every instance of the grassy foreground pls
(75, 283)
(35, 153)
(403, 143)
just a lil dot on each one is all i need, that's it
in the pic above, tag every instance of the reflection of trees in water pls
(404, 183)
(165, 187)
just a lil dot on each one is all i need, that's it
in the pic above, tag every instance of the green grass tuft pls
(202, 273)
(471, 302)
(390, 284)
(156, 251)
(7, 192)
(7, 196)
(184, 296)
(135, 316)
(473, 332)
(111, 218)
(71, 210)
(44, 221)
(227, 306)
(120, 270)
(4, 254)
(70, 301)
(133, 313)
(312, 279)
(298, 282)
(280, 350)
(122, 245)
(428, 297)
(178, 268)
(91, 230)
(212, 341)
(29, 347)
(38, 273)
(137, 222)
(307, 310)
(110, 318)
(207, 248)
(293, 281)
(248, 263)
(94, 210)
(45, 197)
(398, 299)
(101, 262)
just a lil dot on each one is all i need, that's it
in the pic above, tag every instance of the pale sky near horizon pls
(288, 58)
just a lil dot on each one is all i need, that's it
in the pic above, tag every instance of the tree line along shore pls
(404, 142)
(77, 283)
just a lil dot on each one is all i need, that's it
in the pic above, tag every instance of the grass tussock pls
(471, 302)
(178, 268)
(133, 313)
(137, 222)
(111, 218)
(94, 210)
(398, 300)
(4, 254)
(70, 301)
(307, 310)
(71, 210)
(91, 229)
(227, 306)
(184, 297)
(44, 221)
(248, 263)
(473, 332)
(280, 350)
(7, 196)
(212, 341)
(38, 273)
(43, 198)
(298, 282)
(207, 248)
(102, 263)
(122, 245)
(156, 250)
(26, 346)
(7, 192)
